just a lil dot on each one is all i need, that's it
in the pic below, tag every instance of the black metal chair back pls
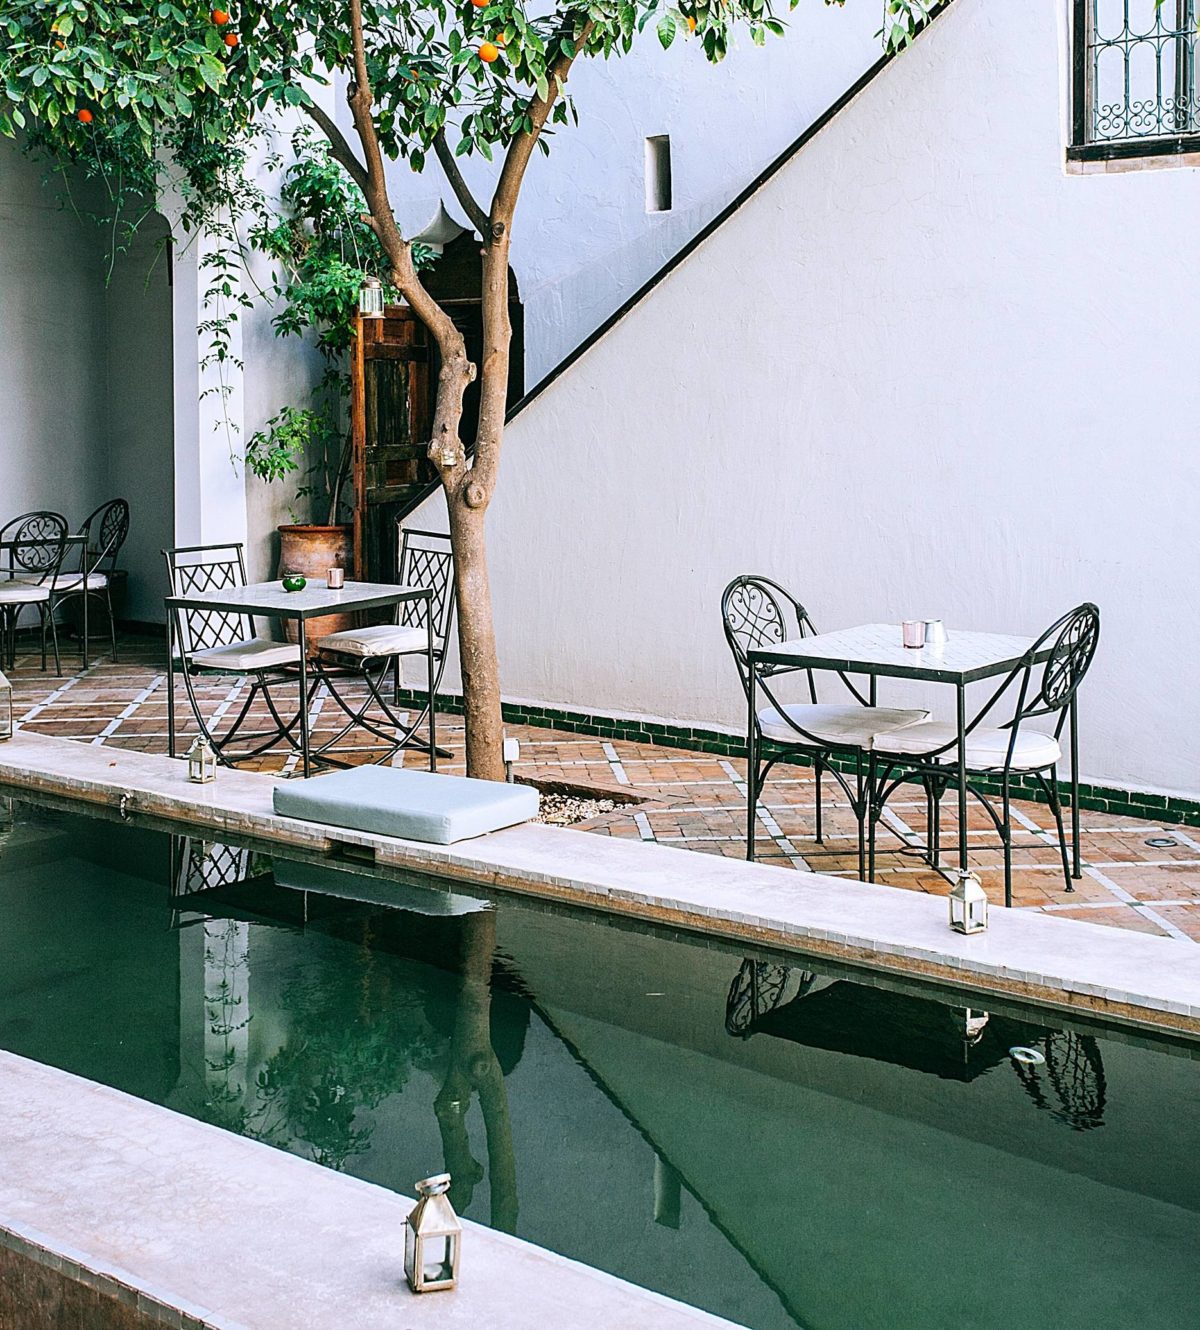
(426, 559)
(105, 531)
(38, 545)
(1072, 639)
(195, 569)
(753, 615)
(1075, 638)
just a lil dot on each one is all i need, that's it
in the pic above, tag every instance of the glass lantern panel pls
(437, 1260)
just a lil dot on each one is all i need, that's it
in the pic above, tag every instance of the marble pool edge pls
(1127, 977)
(176, 1222)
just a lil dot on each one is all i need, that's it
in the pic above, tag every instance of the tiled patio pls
(692, 800)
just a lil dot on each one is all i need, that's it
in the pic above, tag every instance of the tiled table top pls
(876, 648)
(316, 598)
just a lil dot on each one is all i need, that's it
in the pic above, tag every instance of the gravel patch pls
(564, 810)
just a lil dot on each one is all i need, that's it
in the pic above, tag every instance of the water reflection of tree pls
(358, 1024)
(355, 1031)
(473, 1068)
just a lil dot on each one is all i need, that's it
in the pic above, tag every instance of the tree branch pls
(339, 145)
(504, 201)
(462, 191)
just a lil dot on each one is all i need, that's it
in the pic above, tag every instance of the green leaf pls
(666, 30)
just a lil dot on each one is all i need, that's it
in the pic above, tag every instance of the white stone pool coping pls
(199, 1228)
(1114, 973)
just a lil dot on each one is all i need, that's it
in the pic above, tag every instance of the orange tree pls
(129, 90)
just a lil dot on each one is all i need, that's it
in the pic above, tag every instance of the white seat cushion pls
(987, 749)
(384, 639)
(72, 581)
(22, 593)
(415, 805)
(259, 653)
(840, 725)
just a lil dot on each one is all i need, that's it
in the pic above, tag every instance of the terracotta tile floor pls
(692, 800)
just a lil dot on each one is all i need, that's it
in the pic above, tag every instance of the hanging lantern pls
(370, 298)
(968, 904)
(432, 1237)
(202, 762)
(6, 708)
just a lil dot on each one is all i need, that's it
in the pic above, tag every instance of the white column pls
(210, 495)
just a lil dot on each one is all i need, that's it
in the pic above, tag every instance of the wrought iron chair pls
(104, 532)
(996, 753)
(421, 628)
(37, 546)
(753, 613)
(221, 642)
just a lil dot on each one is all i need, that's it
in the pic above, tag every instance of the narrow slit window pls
(658, 173)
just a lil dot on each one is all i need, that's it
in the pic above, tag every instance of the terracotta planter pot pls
(313, 551)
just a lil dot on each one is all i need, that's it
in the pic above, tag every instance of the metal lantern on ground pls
(370, 298)
(968, 904)
(6, 708)
(202, 762)
(432, 1238)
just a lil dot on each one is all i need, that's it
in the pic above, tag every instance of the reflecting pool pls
(781, 1146)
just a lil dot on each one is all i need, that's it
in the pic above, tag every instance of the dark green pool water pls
(781, 1147)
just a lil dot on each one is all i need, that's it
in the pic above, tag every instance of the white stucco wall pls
(139, 419)
(583, 240)
(53, 449)
(85, 374)
(924, 372)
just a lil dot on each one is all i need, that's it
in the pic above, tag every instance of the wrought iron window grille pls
(1135, 92)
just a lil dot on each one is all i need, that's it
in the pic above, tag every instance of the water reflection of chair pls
(758, 988)
(204, 865)
(922, 1034)
(1075, 1071)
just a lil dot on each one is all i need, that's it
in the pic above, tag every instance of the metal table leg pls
(171, 682)
(429, 667)
(1076, 857)
(751, 765)
(962, 777)
(304, 742)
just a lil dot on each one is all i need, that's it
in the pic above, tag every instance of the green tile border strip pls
(703, 739)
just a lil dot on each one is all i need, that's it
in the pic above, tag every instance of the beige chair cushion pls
(72, 581)
(384, 639)
(840, 725)
(67, 581)
(22, 593)
(259, 653)
(987, 749)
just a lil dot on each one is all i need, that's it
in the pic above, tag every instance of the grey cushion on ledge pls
(414, 805)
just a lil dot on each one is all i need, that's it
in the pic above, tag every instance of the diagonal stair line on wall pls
(690, 246)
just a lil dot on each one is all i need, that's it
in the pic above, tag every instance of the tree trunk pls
(476, 638)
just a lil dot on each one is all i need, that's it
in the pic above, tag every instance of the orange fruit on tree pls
(220, 17)
(232, 39)
(62, 46)
(84, 116)
(488, 52)
(498, 39)
(481, 4)
(691, 22)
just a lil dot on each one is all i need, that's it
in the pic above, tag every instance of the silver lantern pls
(432, 1238)
(370, 298)
(968, 904)
(6, 708)
(202, 761)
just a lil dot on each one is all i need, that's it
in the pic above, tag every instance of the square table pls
(270, 600)
(876, 650)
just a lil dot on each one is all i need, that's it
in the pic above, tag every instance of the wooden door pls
(391, 406)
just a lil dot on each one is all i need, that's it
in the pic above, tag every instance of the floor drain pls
(1029, 1057)
(1162, 842)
